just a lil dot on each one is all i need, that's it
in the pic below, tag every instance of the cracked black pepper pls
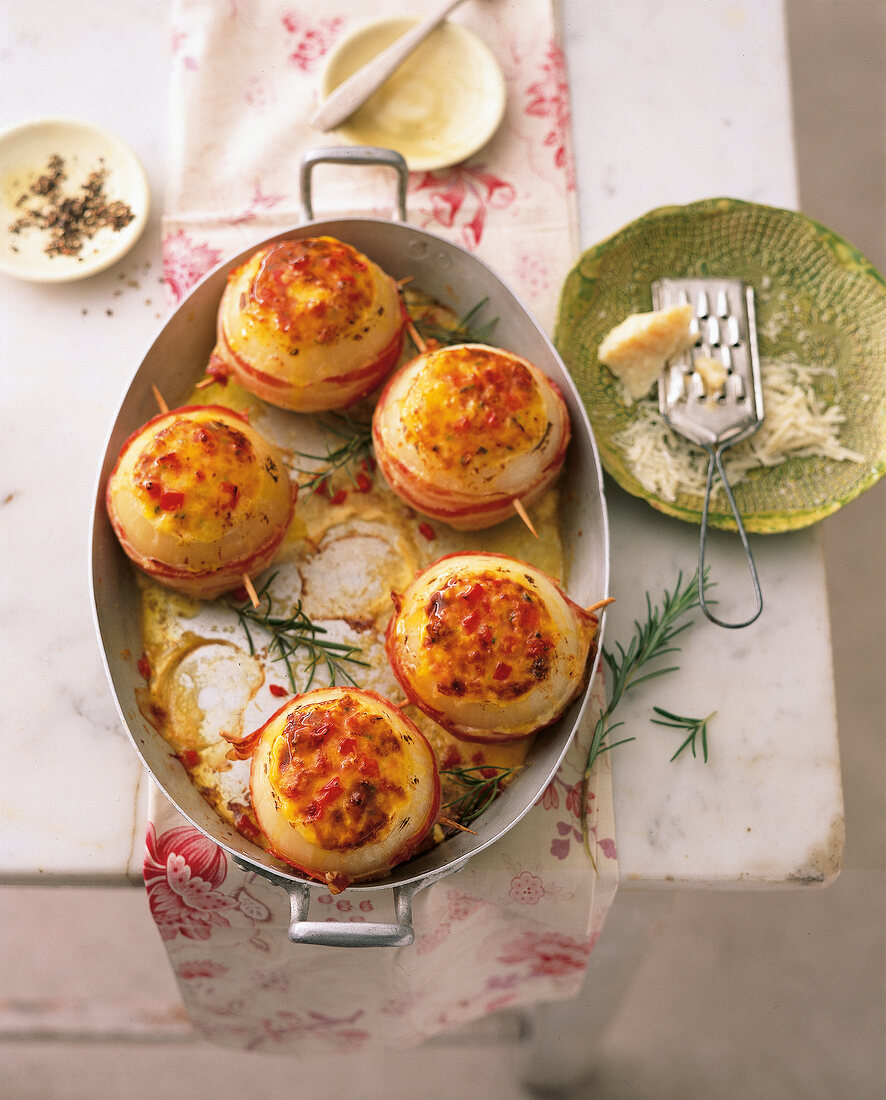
(71, 219)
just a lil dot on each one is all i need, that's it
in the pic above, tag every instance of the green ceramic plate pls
(819, 302)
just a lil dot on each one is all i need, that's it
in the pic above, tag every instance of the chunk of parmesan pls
(637, 349)
(711, 372)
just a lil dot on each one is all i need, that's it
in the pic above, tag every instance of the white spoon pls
(359, 86)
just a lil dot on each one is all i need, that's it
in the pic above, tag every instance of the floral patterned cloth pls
(517, 925)
(245, 78)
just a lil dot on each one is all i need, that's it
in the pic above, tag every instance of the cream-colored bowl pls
(25, 152)
(440, 107)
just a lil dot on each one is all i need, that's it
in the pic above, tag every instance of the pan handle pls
(353, 154)
(357, 933)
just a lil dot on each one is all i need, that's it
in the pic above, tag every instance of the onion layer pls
(489, 646)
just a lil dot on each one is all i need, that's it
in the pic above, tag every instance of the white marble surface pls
(671, 103)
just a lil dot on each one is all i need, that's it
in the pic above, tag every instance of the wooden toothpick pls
(600, 604)
(250, 590)
(524, 515)
(456, 825)
(416, 338)
(158, 397)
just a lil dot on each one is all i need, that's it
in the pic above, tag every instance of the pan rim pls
(400, 875)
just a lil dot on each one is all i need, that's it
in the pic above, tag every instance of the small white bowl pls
(25, 152)
(440, 107)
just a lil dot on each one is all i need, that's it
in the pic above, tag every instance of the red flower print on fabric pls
(573, 799)
(401, 1004)
(526, 889)
(567, 831)
(462, 906)
(550, 798)
(251, 907)
(462, 197)
(430, 941)
(260, 95)
(346, 905)
(548, 99)
(339, 1030)
(178, 42)
(312, 38)
(547, 953)
(498, 1003)
(607, 847)
(262, 201)
(185, 262)
(182, 872)
(533, 274)
(200, 968)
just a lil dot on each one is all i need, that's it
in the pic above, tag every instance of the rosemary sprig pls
(694, 727)
(355, 448)
(652, 640)
(469, 330)
(482, 784)
(290, 633)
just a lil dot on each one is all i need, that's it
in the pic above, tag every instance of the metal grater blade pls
(714, 417)
(724, 322)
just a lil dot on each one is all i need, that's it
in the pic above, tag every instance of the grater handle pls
(715, 461)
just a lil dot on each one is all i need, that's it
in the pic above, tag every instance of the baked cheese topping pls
(318, 289)
(340, 773)
(489, 636)
(463, 431)
(489, 646)
(343, 785)
(471, 403)
(196, 477)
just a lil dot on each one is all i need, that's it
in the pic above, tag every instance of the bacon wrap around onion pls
(462, 432)
(197, 498)
(344, 786)
(489, 646)
(309, 325)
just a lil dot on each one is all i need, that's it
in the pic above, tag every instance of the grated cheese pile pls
(797, 424)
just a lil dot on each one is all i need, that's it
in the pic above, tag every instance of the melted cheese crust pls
(471, 409)
(489, 647)
(491, 636)
(462, 431)
(198, 497)
(344, 785)
(309, 325)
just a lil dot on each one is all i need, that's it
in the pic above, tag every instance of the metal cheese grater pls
(712, 415)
